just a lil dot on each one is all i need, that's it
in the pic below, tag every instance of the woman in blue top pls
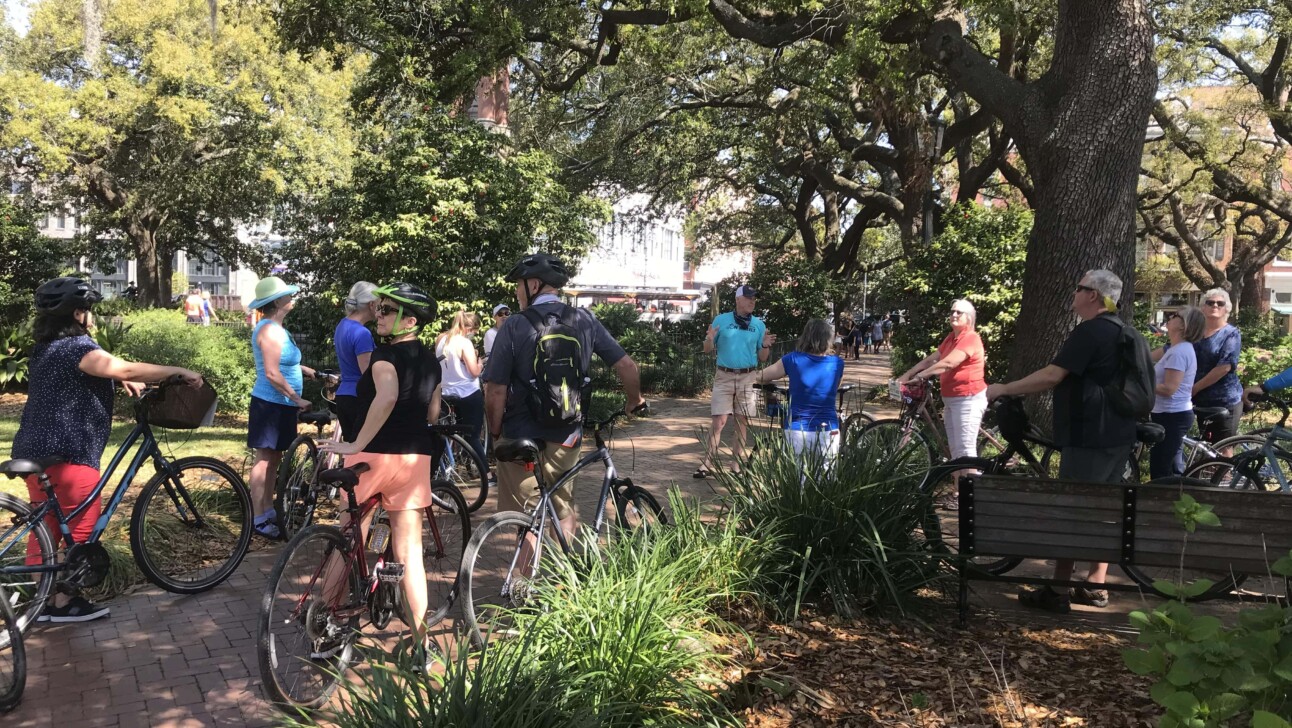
(354, 345)
(1217, 351)
(275, 398)
(812, 428)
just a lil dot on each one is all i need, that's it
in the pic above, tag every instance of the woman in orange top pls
(961, 362)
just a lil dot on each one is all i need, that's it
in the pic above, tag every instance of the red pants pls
(72, 483)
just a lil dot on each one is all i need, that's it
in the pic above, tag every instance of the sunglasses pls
(387, 311)
(1216, 304)
(1087, 289)
(959, 313)
(503, 314)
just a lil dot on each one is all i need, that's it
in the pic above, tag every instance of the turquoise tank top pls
(289, 364)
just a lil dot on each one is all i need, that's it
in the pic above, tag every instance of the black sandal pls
(702, 472)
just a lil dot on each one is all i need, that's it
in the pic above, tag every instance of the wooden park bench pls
(1133, 525)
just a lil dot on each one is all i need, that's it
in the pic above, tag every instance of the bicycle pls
(296, 493)
(1265, 467)
(493, 575)
(776, 399)
(189, 529)
(461, 463)
(1195, 449)
(13, 658)
(914, 441)
(306, 641)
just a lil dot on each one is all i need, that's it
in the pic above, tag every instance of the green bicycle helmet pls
(413, 299)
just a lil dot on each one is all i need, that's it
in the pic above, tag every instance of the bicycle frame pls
(148, 448)
(353, 532)
(1270, 452)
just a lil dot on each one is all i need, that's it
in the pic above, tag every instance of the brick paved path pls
(167, 660)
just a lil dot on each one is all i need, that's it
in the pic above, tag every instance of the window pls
(62, 220)
(1218, 249)
(1283, 296)
(121, 266)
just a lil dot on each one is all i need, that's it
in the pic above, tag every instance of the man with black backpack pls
(536, 377)
(1099, 380)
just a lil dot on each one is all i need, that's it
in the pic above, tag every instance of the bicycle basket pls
(914, 391)
(180, 407)
(1011, 418)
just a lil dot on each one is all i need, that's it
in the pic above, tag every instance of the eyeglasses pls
(1086, 288)
(503, 314)
(1216, 304)
(959, 313)
(386, 311)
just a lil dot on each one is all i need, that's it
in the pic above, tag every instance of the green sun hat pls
(271, 289)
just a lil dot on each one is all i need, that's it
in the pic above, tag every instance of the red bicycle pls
(329, 579)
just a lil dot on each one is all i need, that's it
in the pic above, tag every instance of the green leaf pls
(1283, 566)
(1226, 705)
(1266, 719)
(1145, 662)
(1182, 703)
(1207, 518)
(1185, 671)
(1196, 588)
(1203, 628)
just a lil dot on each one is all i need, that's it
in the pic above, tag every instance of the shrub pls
(845, 538)
(110, 334)
(618, 318)
(16, 343)
(1209, 674)
(221, 355)
(114, 307)
(1256, 364)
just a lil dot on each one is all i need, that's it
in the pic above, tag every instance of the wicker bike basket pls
(180, 407)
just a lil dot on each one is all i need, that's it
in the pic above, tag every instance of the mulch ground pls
(926, 671)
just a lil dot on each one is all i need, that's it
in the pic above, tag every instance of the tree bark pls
(144, 241)
(1080, 128)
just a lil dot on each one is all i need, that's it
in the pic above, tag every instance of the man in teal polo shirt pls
(741, 340)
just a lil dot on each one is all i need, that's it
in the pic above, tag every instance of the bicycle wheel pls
(638, 509)
(491, 579)
(902, 449)
(26, 594)
(462, 466)
(445, 532)
(294, 496)
(853, 425)
(13, 658)
(192, 526)
(1238, 444)
(1145, 576)
(941, 521)
(303, 648)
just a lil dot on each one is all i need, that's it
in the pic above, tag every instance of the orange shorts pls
(402, 481)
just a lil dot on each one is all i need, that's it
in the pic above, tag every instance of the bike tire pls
(1146, 576)
(854, 424)
(443, 548)
(941, 521)
(295, 497)
(1239, 444)
(896, 450)
(462, 465)
(638, 510)
(283, 628)
(27, 594)
(166, 539)
(489, 564)
(13, 657)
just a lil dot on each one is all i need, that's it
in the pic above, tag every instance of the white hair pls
(1107, 283)
(361, 294)
(973, 312)
(1220, 293)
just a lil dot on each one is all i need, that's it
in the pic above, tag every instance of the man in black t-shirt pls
(1095, 442)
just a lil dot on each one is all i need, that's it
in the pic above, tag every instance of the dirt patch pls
(881, 672)
(11, 405)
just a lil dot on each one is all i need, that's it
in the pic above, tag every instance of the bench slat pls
(1228, 522)
(1021, 511)
(1200, 562)
(1074, 529)
(1276, 540)
(1225, 501)
(1106, 540)
(1106, 500)
(1033, 551)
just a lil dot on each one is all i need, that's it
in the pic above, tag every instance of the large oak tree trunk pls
(1080, 129)
(144, 241)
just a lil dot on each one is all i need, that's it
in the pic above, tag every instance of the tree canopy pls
(167, 132)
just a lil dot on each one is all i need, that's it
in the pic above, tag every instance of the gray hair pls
(817, 337)
(1194, 322)
(361, 294)
(1107, 283)
(1220, 293)
(973, 312)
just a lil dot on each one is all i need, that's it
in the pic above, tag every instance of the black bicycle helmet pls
(546, 268)
(418, 302)
(65, 295)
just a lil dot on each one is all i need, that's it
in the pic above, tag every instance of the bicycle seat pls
(345, 477)
(1210, 413)
(846, 388)
(1150, 433)
(315, 418)
(519, 450)
(20, 468)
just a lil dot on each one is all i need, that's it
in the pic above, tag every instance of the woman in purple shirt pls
(354, 345)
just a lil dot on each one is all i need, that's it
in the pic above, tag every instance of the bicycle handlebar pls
(1280, 403)
(642, 411)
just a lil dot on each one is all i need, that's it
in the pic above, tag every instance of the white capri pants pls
(962, 416)
(817, 445)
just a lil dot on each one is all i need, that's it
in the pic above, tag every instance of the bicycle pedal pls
(390, 572)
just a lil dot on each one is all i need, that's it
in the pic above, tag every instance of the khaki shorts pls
(734, 394)
(402, 481)
(518, 488)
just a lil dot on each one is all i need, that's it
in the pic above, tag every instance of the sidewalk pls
(167, 660)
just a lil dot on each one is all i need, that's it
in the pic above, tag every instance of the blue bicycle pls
(189, 530)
